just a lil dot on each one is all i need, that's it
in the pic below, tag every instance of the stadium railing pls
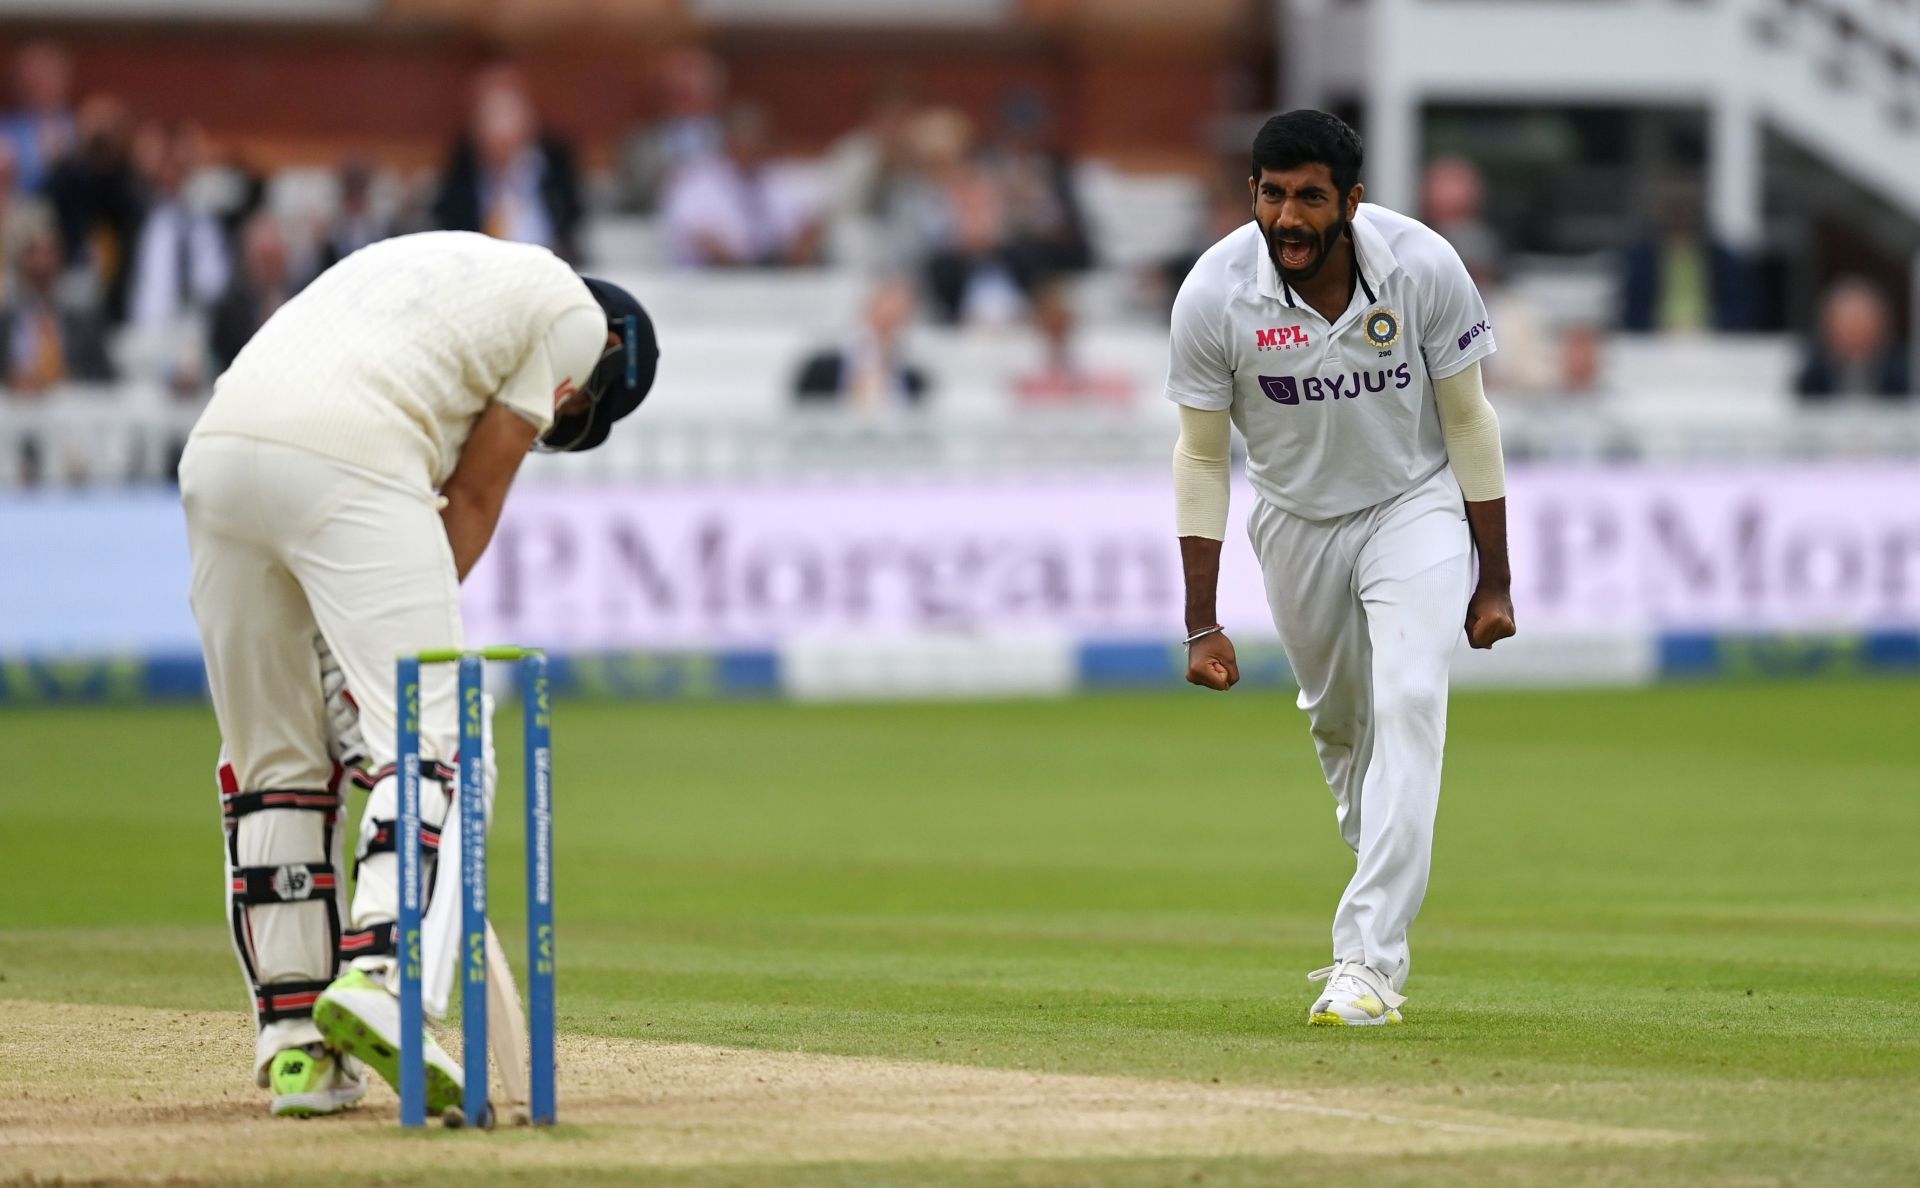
(114, 437)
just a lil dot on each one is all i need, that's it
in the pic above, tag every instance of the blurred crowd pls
(982, 222)
(140, 250)
(1672, 278)
(960, 225)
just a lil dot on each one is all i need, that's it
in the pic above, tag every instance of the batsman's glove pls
(344, 740)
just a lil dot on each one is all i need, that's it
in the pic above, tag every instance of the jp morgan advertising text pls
(1776, 549)
(1733, 549)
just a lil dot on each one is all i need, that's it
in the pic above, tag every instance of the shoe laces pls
(1333, 974)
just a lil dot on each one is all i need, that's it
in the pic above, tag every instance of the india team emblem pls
(1383, 328)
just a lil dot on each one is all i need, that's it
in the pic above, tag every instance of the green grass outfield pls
(1694, 908)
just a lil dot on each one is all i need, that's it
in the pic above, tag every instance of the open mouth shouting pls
(1299, 254)
(1295, 255)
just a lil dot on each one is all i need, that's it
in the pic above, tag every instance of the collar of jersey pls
(1377, 261)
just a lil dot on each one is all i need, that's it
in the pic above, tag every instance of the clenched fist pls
(1211, 662)
(1489, 617)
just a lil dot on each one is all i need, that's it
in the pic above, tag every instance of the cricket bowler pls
(346, 475)
(1344, 341)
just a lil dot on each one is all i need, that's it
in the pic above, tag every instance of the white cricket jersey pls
(1336, 417)
(388, 358)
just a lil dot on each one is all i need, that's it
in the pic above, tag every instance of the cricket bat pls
(506, 1022)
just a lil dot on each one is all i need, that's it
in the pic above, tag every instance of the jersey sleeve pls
(564, 356)
(1454, 330)
(1199, 372)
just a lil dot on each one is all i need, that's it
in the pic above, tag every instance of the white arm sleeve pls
(566, 354)
(1472, 430)
(1200, 483)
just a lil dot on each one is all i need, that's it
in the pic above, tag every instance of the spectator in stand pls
(865, 170)
(41, 129)
(95, 194)
(1677, 279)
(1532, 355)
(866, 164)
(873, 370)
(736, 209)
(20, 216)
(1452, 198)
(180, 265)
(179, 255)
(690, 126)
(356, 223)
(227, 185)
(951, 223)
(1582, 350)
(48, 340)
(264, 283)
(1062, 377)
(1855, 356)
(1046, 232)
(506, 177)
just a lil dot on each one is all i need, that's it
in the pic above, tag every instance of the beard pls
(1322, 244)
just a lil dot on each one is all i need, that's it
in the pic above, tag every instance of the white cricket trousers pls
(1370, 606)
(287, 543)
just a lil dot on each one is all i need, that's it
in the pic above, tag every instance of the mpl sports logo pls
(1281, 338)
(1286, 389)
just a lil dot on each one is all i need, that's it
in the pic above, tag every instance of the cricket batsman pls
(1344, 341)
(345, 477)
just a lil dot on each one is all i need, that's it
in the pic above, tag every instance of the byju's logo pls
(1281, 338)
(1466, 339)
(1285, 389)
(1281, 389)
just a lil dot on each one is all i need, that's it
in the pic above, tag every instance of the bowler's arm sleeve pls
(1200, 476)
(1472, 431)
(1199, 370)
(565, 355)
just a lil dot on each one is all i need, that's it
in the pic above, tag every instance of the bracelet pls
(1201, 634)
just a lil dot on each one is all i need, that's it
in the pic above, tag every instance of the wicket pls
(471, 805)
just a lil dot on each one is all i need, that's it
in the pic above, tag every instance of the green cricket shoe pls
(358, 1015)
(312, 1080)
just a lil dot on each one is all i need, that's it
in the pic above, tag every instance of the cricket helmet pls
(619, 382)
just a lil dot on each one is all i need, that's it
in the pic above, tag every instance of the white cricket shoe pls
(360, 1016)
(1356, 996)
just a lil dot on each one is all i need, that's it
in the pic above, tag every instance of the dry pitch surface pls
(78, 1103)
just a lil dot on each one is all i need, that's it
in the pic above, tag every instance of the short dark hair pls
(1309, 137)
